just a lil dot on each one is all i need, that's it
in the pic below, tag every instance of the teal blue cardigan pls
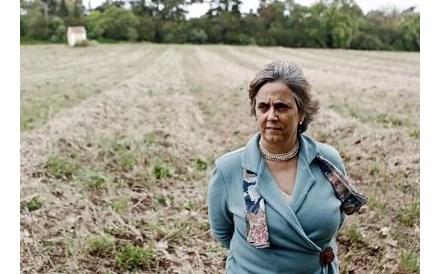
(298, 231)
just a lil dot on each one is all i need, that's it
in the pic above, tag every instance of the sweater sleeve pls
(220, 218)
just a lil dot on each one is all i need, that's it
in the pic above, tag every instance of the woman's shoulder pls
(325, 149)
(329, 152)
(230, 158)
(229, 164)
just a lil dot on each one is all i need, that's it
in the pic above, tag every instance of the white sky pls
(366, 5)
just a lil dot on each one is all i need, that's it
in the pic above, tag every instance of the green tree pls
(254, 27)
(333, 24)
(197, 36)
(235, 7)
(396, 30)
(95, 25)
(271, 12)
(77, 15)
(410, 29)
(142, 8)
(146, 28)
(343, 22)
(63, 11)
(170, 31)
(296, 24)
(110, 3)
(78, 9)
(51, 6)
(114, 23)
(366, 41)
(315, 24)
(170, 9)
(56, 30)
(119, 24)
(340, 30)
(35, 21)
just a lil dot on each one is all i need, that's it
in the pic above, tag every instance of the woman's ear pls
(301, 119)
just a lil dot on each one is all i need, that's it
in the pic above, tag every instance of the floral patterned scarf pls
(351, 200)
(255, 211)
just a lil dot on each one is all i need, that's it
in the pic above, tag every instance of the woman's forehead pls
(277, 94)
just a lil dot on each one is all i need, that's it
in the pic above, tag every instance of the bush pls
(57, 30)
(100, 244)
(94, 180)
(33, 204)
(133, 257)
(161, 171)
(146, 29)
(198, 36)
(132, 34)
(61, 167)
(366, 41)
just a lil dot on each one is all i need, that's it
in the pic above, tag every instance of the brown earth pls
(118, 141)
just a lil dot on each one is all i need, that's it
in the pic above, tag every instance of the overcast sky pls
(366, 5)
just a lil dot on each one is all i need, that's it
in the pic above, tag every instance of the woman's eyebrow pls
(282, 103)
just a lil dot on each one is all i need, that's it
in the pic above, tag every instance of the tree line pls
(325, 24)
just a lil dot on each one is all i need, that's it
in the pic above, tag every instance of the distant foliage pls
(325, 24)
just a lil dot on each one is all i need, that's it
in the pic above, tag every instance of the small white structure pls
(75, 35)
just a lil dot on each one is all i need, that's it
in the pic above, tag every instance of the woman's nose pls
(272, 115)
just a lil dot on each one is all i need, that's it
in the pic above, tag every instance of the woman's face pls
(277, 115)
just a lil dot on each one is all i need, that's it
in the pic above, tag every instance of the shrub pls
(198, 36)
(366, 41)
(94, 180)
(100, 244)
(61, 167)
(201, 164)
(161, 171)
(33, 204)
(133, 257)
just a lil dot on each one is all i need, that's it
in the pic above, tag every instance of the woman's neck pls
(279, 148)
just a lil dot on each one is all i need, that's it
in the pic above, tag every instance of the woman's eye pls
(263, 107)
(281, 106)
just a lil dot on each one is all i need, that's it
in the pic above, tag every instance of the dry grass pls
(118, 142)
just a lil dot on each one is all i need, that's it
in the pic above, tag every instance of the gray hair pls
(293, 77)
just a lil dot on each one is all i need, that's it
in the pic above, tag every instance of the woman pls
(271, 203)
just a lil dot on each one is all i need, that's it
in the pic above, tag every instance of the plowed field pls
(118, 142)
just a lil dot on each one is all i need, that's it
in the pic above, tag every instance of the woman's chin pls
(273, 137)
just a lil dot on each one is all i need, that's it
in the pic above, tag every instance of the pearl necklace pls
(279, 157)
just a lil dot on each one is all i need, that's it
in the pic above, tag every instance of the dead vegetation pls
(118, 141)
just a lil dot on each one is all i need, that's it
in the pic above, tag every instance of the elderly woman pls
(277, 203)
